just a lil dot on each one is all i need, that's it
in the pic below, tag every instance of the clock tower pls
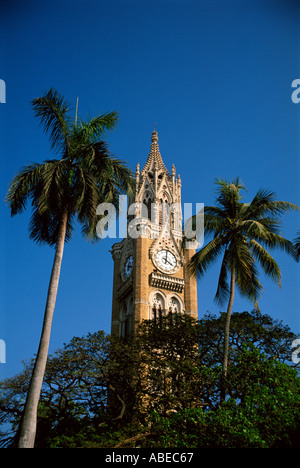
(151, 278)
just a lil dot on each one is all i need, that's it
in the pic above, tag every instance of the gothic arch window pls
(126, 322)
(172, 217)
(174, 306)
(160, 212)
(157, 308)
(175, 309)
(123, 316)
(164, 209)
(130, 316)
(147, 201)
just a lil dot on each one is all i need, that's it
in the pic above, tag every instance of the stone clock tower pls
(151, 277)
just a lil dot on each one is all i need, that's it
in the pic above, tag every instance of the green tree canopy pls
(96, 387)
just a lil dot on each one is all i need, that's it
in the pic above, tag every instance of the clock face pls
(166, 260)
(128, 266)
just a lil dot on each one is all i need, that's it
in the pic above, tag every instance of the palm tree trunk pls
(226, 335)
(27, 430)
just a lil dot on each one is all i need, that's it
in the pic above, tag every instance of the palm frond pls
(229, 196)
(215, 225)
(92, 156)
(20, 187)
(267, 262)
(87, 197)
(122, 175)
(97, 158)
(211, 218)
(246, 271)
(54, 190)
(51, 110)
(215, 211)
(264, 205)
(296, 244)
(44, 228)
(46, 185)
(97, 127)
(259, 229)
(223, 290)
(280, 207)
(207, 255)
(275, 241)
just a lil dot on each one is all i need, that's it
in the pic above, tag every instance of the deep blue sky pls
(216, 77)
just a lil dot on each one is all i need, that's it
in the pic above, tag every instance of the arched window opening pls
(174, 310)
(126, 322)
(164, 214)
(160, 212)
(123, 316)
(148, 204)
(157, 309)
(157, 315)
(174, 306)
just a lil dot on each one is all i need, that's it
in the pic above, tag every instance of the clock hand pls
(166, 259)
(171, 261)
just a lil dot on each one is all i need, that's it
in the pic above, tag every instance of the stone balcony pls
(171, 283)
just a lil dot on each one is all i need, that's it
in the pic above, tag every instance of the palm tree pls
(242, 233)
(297, 247)
(61, 191)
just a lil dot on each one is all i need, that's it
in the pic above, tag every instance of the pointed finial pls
(154, 137)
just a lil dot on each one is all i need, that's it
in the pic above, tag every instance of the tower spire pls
(154, 157)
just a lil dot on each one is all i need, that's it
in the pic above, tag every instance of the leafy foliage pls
(161, 388)
(264, 413)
